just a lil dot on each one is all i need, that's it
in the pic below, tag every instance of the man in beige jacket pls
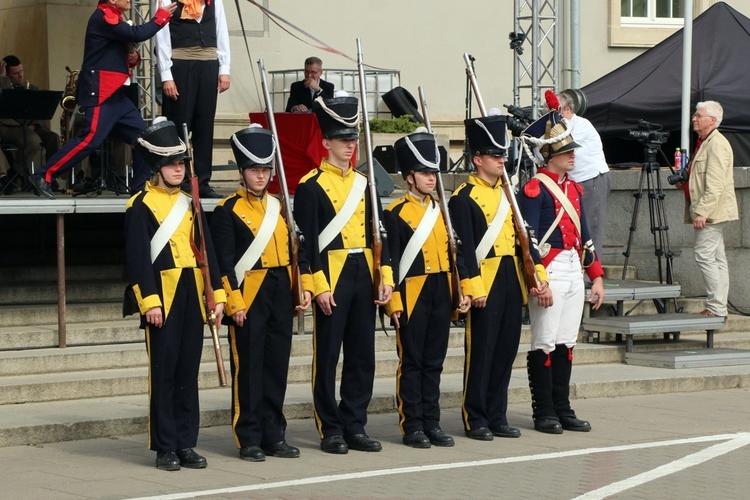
(712, 203)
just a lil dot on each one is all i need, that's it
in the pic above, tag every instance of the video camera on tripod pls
(648, 133)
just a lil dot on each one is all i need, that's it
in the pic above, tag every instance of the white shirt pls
(164, 43)
(589, 160)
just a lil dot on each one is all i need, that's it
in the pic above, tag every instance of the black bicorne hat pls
(417, 152)
(547, 128)
(253, 146)
(338, 117)
(487, 135)
(160, 144)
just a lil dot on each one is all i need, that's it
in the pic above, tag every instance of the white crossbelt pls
(493, 231)
(417, 240)
(260, 242)
(339, 221)
(562, 197)
(169, 226)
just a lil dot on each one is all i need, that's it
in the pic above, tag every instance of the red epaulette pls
(532, 188)
(111, 14)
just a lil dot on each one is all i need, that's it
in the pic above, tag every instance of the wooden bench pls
(654, 323)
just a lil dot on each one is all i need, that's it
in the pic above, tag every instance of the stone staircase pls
(97, 386)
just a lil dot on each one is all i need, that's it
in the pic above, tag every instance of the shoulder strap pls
(169, 226)
(260, 242)
(339, 221)
(562, 197)
(493, 230)
(417, 240)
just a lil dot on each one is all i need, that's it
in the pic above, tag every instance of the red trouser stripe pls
(85, 142)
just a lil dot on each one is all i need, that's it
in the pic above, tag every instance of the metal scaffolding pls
(144, 74)
(535, 70)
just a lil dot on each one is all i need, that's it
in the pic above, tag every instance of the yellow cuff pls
(146, 303)
(541, 272)
(220, 296)
(308, 283)
(320, 284)
(395, 304)
(388, 276)
(477, 287)
(235, 303)
(466, 288)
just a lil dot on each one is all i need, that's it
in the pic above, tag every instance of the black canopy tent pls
(649, 87)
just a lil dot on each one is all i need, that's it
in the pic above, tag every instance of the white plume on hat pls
(494, 112)
(421, 130)
(341, 93)
(159, 119)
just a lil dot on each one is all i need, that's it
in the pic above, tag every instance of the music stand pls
(26, 106)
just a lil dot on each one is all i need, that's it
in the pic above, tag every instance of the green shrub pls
(401, 125)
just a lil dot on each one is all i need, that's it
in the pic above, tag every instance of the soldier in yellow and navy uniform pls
(251, 239)
(421, 306)
(333, 211)
(482, 219)
(167, 289)
(553, 206)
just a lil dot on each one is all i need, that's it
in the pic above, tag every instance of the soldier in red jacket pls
(100, 91)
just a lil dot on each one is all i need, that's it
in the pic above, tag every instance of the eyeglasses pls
(696, 115)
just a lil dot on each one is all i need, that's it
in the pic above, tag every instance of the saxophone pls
(68, 104)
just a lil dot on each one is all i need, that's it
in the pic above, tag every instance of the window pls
(651, 12)
(644, 23)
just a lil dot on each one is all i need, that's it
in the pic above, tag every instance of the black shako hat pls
(338, 117)
(547, 128)
(487, 135)
(417, 152)
(253, 146)
(160, 144)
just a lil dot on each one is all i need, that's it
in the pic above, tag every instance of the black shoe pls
(281, 450)
(480, 434)
(362, 442)
(416, 439)
(505, 431)
(167, 461)
(548, 425)
(41, 186)
(190, 459)
(208, 192)
(438, 437)
(334, 444)
(252, 453)
(575, 424)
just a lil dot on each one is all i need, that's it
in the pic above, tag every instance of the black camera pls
(518, 119)
(648, 132)
(680, 175)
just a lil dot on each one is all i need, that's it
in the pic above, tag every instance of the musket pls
(201, 257)
(378, 230)
(286, 212)
(453, 240)
(529, 268)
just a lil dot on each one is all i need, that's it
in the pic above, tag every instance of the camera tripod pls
(657, 216)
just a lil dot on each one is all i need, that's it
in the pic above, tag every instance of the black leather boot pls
(540, 382)
(562, 366)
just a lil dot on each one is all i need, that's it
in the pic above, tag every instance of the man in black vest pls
(193, 53)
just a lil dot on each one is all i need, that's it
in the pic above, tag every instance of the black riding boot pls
(540, 382)
(562, 366)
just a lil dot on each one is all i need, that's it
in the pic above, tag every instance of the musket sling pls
(417, 240)
(169, 226)
(260, 242)
(345, 214)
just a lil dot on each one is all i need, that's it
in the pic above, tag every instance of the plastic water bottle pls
(677, 159)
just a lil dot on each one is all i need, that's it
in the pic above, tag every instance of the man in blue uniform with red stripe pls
(104, 74)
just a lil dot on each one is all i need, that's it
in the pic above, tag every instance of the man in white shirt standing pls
(193, 58)
(591, 170)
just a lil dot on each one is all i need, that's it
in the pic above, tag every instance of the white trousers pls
(560, 323)
(712, 261)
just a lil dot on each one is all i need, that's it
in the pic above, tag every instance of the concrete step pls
(38, 423)
(75, 292)
(103, 371)
(34, 274)
(46, 314)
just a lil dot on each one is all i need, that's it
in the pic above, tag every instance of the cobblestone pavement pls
(691, 445)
